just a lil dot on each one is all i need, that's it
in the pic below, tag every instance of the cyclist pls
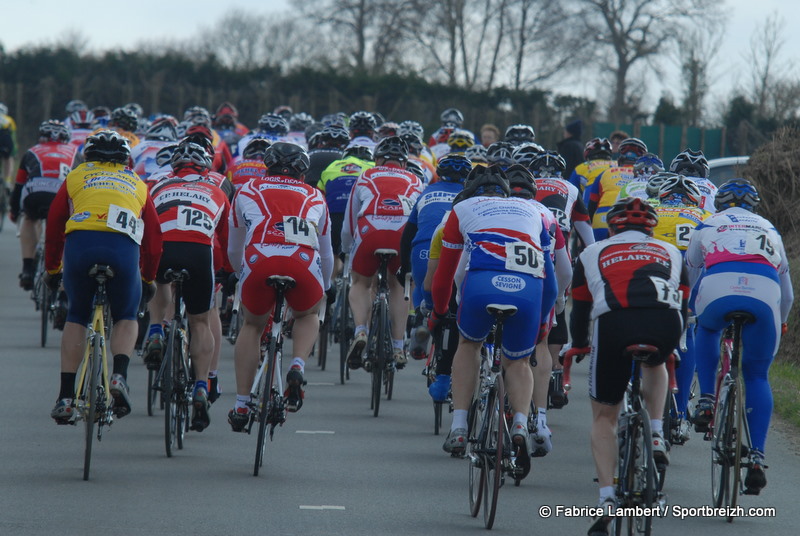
(380, 203)
(324, 148)
(597, 159)
(416, 150)
(517, 135)
(125, 122)
(80, 126)
(362, 127)
(413, 127)
(220, 154)
(8, 144)
(460, 140)
(694, 164)
(477, 155)
(298, 124)
(738, 263)
(602, 194)
(226, 123)
(251, 163)
(42, 170)
(633, 289)
(645, 167)
(161, 132)
(502, 154)
(279, 226)
(506, 248)
(101, 215)
(271, 127)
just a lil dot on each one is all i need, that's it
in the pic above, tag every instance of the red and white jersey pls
(630, 270)
(384, 196)
(44, 166)
(709, 191)
(191, 209)
(499, 233)
(77, 136)
(563, 200)
(281, 211)
(242, 171)
(143, 157)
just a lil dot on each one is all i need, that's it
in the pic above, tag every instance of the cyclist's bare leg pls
(519, 384)
(305, 331)
(555, 350)
(655, 383)
(73, 346)
(466, 364)
(159, 305)
(247, 351)
(398, 308)
(541, 375)
(604, 441)
(360, 297)
(216, 331)
(201, 344)
(28, 237)
(123, 337)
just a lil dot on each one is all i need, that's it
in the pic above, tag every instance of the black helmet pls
(453, 168)
(273, 124)
(516, 134)
(286, 158)
(107, 146)
(362, 124)
(548, 164)
(392, 148)
(190, 154)
(333, 136)
(737, 193)
(300, 121)
(255, 149)
(452, 116)
(481, 179)
(414, 143)
(521, 182)
(54, 130)
(124, 118)
(691, 163)
(414, 167)
(362, 152)
(500, 152)
(597, 149)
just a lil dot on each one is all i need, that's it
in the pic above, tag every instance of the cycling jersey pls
(428, 169)
(636, 188)
(77, 136)
(143, 157)
(363, 141)
(319, 160)
(601, 195)
(8, 136)
(337, 180)
(709, 191)
(564, 201)
(584, 174)
(42, 169)
(242, 171)
(677, 222)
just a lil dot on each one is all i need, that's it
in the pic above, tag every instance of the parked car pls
(723, 169)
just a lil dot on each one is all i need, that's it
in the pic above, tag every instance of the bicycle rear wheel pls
(168, 385)
(741, 446)
(322, 343)
(266, 399)
(637, 476)
(345, 332)
(44, 309)
(722, 448)
(493, 446)
(90, 392)
(477, 463)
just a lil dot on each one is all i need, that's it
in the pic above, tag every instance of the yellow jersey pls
(585, 173)
(676, 223)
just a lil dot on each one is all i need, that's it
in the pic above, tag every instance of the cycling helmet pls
(362, 152)
(597, 149)
(284, 111)
(285, 158)
(164, 155)
(101, 111)
(486, 180)
(379, 119)
(107, 146)
(300, 121)
(414, 167)
(136, 108)
(255, 149)
(79, 118)
(548, 164)
(125, 119)
(632, 213)
(521, 182)
(163, 129)
(75, 105)
(387, 129)
(3, 109)
(362, 124)
(737, 193)
(224, 122)
(453, 168)
(334, 119)
(226, 108)
(452, 117)
(476, 154)
(410, 126)
(500, 152)
(414, 143)
(273, 124)
(188, 153)
(460, 140)
(197, 114)
(517, 134)
(691, 163)
(332, 137)
(679, 186)
(630, 149)
(647, 164)
(525, 152)
(53, 130)
(655, 181)
(391, 148)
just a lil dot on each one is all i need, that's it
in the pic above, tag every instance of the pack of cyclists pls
(472, 226)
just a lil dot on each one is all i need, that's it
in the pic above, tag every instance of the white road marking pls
(320, 383)
(320, 507)
(314, 432)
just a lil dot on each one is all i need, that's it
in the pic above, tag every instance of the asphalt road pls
(332, 469)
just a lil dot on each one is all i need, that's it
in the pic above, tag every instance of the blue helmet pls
(453, 168)
(737, 193)
(647, 164)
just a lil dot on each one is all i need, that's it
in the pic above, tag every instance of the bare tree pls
(74, 40)
(770, 75)
(696, 52)
(238, 39)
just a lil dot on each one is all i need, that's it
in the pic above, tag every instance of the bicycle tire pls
(265, 402)
(437, 417)
(322, 343)
(152, 393)
(91, 393)
(721, 454)
(168, 393)
(477, 466)
(738, 450)
(44, 306)
(346, 329)
(637, 476)
(493, 446)
(179, 387)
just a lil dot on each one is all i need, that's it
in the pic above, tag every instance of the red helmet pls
(632, 213)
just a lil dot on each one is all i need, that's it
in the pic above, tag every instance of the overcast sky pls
(116, 25)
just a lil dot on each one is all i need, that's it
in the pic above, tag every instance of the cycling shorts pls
(35, 206)
(197, 259)
(609, 369)
(337, 222)
(365, 262)
(82, 249)
(483, 287)
(419, 267)
(559, 334)
(6, 143)
(300, 263)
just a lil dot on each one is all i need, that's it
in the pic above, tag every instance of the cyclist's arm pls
(236, 238)
(151, 241)
(350, 219)
(452, 245)
(694, 258)
(222, 237)
(325, 248)
(581, 222)
(16, 193)
(581, 307)
(409, 232)
(563, 269)
(591, 196)
(57, 217)
(787, 293)
(685, 294)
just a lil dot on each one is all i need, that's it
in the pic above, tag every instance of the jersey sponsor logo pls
(80, 216)
(390, 202)
(508, 283)
(304, 256)
(253, 258)
(351, 169)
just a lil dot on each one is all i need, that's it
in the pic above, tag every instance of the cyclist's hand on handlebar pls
(578, 353)
(52, 280)
(330, 294)
(434, 321)
(230, 285)
(401, 277)
(148, 290)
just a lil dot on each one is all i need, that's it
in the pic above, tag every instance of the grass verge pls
(785, 381)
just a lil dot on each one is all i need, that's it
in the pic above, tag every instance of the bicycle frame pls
(96, 327)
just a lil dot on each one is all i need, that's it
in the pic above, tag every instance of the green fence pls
(668, 141)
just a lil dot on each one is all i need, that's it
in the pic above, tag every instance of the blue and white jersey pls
(431, 206)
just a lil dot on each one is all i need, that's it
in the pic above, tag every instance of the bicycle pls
(489, 440)
(5, 195)
(267, 404)
(43, 298)
(93, 401)
(174, 377)
(728, 429)
(324, 334)
(379, 343)
(429, 371)
(343, 325)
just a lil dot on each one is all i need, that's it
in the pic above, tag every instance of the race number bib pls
(561, 218)
(299, 231)
(522, 257)
(194, 219)
(665, 293)
(407, 204)
(683, 233)
(125, 221)
(758, 243)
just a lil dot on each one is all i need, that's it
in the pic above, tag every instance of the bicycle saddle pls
(386, 251)
(176, 275)
(501, 310)
(741, 315)
(641, 352)
(101, 270)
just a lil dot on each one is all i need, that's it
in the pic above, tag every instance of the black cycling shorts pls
(559, 334)
(337, 222)
(35, 206)
(609, 370)
(197, 259)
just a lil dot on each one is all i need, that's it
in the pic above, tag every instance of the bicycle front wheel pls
(168, 385)
(722, 448)
(636, 487)
(44, 309)
(91, 388)
(477, 463)
(493, 447)
(266, 399)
